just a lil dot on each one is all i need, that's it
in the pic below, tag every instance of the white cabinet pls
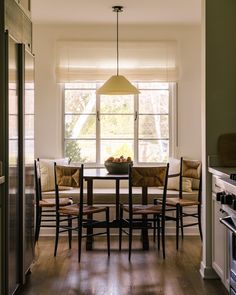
(219, 239)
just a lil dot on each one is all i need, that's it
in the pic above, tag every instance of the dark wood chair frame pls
(79, 215)
(157, 221)
(45, 214)
(178, 208)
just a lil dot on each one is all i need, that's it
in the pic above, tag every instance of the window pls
(96, 127)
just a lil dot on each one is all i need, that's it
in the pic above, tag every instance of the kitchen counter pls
(222, 171)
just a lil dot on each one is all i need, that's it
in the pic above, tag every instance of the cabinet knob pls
(219, 196)
(234, 204)
(228, 199)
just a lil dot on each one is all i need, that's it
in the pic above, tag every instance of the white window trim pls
(173, 120)
(173, 128)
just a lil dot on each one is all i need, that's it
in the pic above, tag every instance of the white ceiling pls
(144, 12)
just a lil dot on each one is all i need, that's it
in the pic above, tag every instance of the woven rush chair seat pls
(74, 209)
(144, 209)
(52, 202)
(181, 202)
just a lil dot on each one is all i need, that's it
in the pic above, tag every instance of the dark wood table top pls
(101, 173)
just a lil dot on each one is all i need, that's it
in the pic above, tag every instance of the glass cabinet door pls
(13, 167)
(28, 151)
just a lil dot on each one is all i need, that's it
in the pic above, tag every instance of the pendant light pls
(117, 84)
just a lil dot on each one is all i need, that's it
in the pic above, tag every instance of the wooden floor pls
(147, 273)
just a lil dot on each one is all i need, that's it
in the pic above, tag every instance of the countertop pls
(222, 171)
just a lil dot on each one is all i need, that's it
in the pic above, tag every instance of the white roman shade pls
(96, 61)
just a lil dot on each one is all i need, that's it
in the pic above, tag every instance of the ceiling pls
(143, 12)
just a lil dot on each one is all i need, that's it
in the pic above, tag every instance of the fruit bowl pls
(117, 167)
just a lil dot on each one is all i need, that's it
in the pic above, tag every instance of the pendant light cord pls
(117, 43)
(117, 9)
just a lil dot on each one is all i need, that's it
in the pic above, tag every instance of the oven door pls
(230, 223)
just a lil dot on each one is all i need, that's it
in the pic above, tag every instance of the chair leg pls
(130, 240)
(154, 227)
(57, 234)
(155, 223)
(181, 221)
(163, 237)
(69, 230)
(120, 227)
(158, 233)
(108, 230)
(199, 220)
(130, 234)
(79, 237)
(177, 226)
(37, 225)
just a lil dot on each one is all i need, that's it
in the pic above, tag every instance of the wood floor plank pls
(147, 274)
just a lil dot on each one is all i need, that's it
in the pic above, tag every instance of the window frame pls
(172, 116)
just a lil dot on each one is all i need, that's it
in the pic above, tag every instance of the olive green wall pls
(220, 70)
(218, 99)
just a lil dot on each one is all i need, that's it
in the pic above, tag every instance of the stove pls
(227, 197)
(227, 194)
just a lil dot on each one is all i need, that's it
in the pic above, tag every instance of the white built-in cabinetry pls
(219, 238)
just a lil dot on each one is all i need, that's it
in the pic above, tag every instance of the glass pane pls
(154, 102)
(153, 85)
(29, 126)
(29, 85)
(13, 126)
(117, 126)
(153, 151)
(81, 150)
(117, 104)
(80, 101)
(80, 85)
(13, 107)
(29, 99)
(153, 126)
(80, 126)
(116, 148)
(13, 153)
(29, 152)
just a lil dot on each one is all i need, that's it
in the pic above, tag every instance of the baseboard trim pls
(207, 272)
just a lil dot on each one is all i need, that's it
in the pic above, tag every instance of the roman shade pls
(96, 61)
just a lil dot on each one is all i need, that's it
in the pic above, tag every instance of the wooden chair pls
(141, 216)
(191, 170)
(45, 207)
(73, 176)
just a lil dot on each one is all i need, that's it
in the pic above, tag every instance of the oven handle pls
(225, 221)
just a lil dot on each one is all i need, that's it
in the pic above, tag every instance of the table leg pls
(89, 241)
(117, 199)
(145, 239)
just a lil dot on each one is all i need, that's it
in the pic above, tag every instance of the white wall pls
(48, 107)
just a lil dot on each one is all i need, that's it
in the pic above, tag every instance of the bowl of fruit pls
(118, 165)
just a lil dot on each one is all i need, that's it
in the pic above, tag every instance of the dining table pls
(91, 174)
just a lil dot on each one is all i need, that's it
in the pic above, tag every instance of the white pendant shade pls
(117, 85)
